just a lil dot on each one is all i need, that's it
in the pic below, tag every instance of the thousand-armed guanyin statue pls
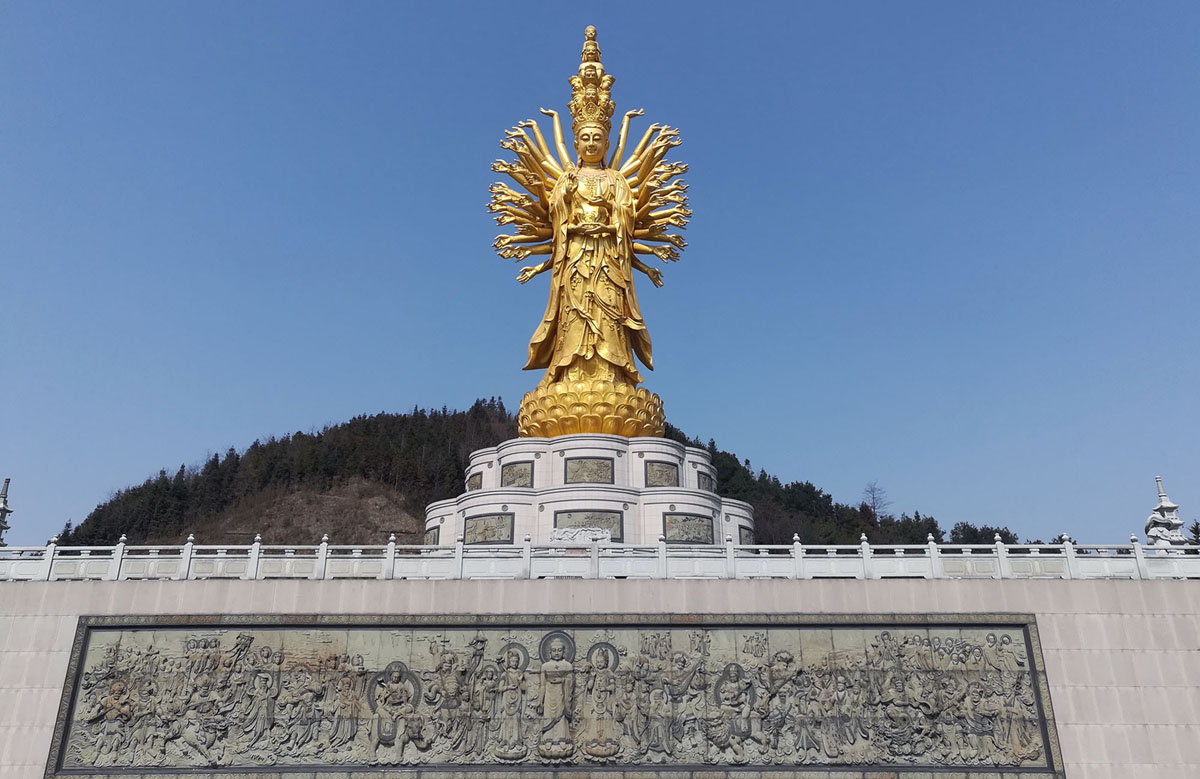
(593, 215)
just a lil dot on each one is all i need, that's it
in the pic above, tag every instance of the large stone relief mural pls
(909, 696)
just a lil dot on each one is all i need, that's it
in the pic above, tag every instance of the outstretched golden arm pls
(634, 162)
(528, 273)
(541, 143)
(664, 253)
(558, 138)
(654, 274)
(531, 147)
(619, 152)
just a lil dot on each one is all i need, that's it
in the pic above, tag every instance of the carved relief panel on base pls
(230, 695)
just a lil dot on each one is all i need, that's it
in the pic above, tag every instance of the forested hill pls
(375, 474)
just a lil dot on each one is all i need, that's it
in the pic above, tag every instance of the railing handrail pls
(729, 560)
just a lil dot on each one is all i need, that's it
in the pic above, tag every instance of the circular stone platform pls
(638, 489)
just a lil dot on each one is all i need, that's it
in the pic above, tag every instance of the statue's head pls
(591, 142)
(557, 649)
(591, 103)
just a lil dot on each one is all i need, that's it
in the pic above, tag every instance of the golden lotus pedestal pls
(597, 406)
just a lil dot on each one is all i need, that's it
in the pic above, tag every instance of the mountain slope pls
(374, 475)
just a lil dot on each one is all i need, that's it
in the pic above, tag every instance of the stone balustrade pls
(598, 561)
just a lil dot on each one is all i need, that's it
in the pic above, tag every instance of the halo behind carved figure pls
(606, 648)
(513, 646)
(550, 638)
(406, 676)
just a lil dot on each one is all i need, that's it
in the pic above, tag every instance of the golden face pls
(591, 143)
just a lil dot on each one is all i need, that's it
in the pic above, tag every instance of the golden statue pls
(593, 220)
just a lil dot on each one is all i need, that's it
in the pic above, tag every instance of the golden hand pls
(655, 276)
(515, 252)
(526, 274)
(666, 253)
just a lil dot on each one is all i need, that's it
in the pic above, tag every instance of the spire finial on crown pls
(591, 88)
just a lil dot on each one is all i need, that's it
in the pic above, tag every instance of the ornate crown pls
(591, 98)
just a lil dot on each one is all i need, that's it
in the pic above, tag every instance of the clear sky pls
(949, 247)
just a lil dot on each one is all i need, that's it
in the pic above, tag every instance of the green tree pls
(966, 533)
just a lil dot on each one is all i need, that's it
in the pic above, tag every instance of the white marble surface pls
(533, 509)
(1122, 657)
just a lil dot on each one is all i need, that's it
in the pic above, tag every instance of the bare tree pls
(876, 497)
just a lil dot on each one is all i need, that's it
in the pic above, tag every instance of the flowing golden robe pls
(593, 326)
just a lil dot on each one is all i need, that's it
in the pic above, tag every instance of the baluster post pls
(527, 557)
(185, 558)
(321, 565)
(389, 565)
(114, 568)
(1139, 556)
(936, 571)
(865, 554)
(51, 547)
(1072, 569)
(458, 555)
(797, 557)
(662, 557)
(1003, 567)
(252, 560)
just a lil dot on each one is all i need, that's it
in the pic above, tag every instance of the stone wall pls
(1122, 658)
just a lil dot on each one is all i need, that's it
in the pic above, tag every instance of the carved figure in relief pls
(776, 680)
(396, 722)
(556, 701)
(146, 737)
(449, 691)
(685, 681)
(631, 709)
(346, 710)
(660, 730)
(979, 723)
(510, 690)
(113, 713)
(204, 723)
(734, 719)
(259, 711)
(1020, 730)
(808, 724)
(300, 701)
(601, 737)
(483, 704)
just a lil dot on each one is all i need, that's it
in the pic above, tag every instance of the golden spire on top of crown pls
(591, 88)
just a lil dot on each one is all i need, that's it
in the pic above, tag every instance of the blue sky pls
(949, 247)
